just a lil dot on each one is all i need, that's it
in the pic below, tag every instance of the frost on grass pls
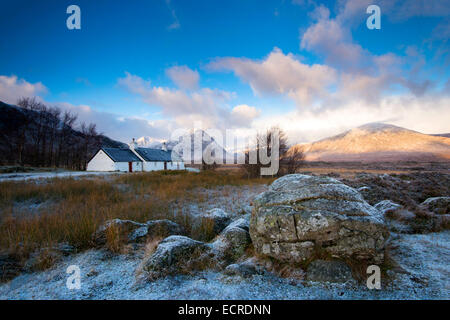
(424, 261)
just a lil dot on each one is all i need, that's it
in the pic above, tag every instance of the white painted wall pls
(101, 162)
(180, 165)
(153, 166)
(123, 166)
(159, 165)
(175, 166)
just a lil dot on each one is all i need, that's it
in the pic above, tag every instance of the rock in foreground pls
(301, 214)
(231, 244)
(178, 255)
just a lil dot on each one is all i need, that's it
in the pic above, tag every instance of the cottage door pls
(165, 165)
(130, 166)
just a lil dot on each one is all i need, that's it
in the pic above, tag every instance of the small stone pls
(437, 205)
(328, 271)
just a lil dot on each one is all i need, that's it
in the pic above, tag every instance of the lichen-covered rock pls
(178, 255)
(126, 230)
(242, 223)
(438, 205)
(300, 214)
(328, 271)
(233, 241)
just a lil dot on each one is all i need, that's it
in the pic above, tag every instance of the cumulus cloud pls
(363, 75)
(314, 87)
(184, 77)
(205, 105)
(329, 38)
(12, 89)
(242, 115)
(176, 102)
(281, 74)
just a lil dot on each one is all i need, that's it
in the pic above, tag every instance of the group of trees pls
(289, 159)
(45, 136)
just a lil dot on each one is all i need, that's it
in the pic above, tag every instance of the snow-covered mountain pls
(147, 142)
(199, 141)
(379, 142)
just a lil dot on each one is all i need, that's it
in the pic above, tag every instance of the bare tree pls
(292, 160)
(263, 143)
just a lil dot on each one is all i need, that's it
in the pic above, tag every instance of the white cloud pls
(281, 74)
(205, 105)
(184, 77)
(329, 38)
(242, 115)
(12, 89)
(175, 102)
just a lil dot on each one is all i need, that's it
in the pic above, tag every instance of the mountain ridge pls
(378, 141)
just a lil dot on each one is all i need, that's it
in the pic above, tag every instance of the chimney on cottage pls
(164, 147)
(133, 144)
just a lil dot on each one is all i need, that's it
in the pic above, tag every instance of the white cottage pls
(134, 159)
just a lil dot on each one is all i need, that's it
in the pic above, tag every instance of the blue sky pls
(147, 67)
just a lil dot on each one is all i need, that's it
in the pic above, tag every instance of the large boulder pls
(178, 255)
(231, 244)
(301, 214)
(438, 205)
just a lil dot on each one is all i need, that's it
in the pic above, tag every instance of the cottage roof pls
(121, 155)
(149, 154)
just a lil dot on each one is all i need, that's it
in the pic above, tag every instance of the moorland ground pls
(37, 215)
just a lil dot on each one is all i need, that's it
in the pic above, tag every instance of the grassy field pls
(74, 208)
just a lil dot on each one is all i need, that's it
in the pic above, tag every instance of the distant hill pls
(375, 142)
